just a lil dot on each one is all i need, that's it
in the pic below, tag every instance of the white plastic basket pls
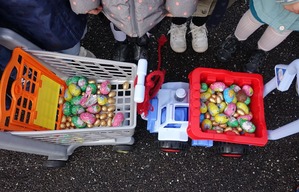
(117, 73)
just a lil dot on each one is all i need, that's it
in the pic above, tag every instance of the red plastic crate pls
(209, 75)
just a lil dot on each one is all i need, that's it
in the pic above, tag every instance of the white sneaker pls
(199, 38)
(178, 37)
(86, 53)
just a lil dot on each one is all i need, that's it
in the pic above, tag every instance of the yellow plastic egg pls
(243, 107)
(213, 109)
(74, 89)
(221, 118)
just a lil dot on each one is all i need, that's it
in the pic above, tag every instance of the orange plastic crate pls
(35, 92)
(209, 76)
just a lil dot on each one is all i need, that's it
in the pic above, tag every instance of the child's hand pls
(294, 7)
(95, 11)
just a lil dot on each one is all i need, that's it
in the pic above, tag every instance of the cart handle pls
(140, 87)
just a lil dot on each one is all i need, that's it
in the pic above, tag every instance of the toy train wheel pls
(173, 146)
(54, 163)
(122, 148)
(232, 150)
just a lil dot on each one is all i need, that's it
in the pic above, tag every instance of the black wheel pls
(54, 163)
(232, 150)
(173, 146)
(122, 148)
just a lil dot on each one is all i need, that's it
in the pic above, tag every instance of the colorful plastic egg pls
(247, 101)
(76, 100)
(78, 122)
(66, 108)
(230, 109)
(221, 118)
(201, 117)
(247, 126)
(67, 95)
(91, 89)
(235, 87)
(210, 91)
(72, 80)
(243, 107)
(82, 83)
(118, 119)
(248, 90)
(203, 108)
(87, 101)
(74, 89)
(88, 117)
(245, 117)
(213, 109)
(206, 124)
(94, 109)
(102, 100)
(218, 86)
(203, 87)
(105, 87)
(221, 106)
(77, 109)
(205, 96)
(232, 122)
(228, 95)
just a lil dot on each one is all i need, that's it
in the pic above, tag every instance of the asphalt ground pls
(273, 167)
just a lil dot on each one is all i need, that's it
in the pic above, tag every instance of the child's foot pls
(86, 53)
(178, 37)
(227, 48)
(199, 38)
(255, 61)
(141, 47)
(121, 51)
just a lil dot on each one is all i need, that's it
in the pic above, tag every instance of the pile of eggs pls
(226, 108)
(89, 104)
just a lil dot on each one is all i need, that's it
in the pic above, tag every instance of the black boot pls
(227, 48)
(255, 61)
(141, 47)
(121, 51)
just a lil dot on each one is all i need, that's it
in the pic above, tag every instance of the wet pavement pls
(273, 167)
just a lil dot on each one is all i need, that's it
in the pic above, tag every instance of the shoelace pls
(199, 32)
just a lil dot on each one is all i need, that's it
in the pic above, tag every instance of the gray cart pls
(58, 145)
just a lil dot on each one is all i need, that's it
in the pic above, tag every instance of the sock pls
(271, 38)
(199, 21)
(179, 20)
(246, 26)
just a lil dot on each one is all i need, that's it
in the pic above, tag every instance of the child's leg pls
(271, 38)
(121, 49)
(246, 26)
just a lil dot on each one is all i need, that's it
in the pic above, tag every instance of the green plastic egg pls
(78, 122)
(72, 80)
